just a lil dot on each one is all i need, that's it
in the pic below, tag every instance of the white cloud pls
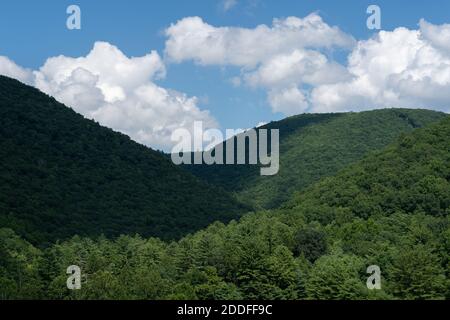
(280, 57)
(298, 67)
(193, 39)
(11, 69)
(228, 4)
(438, 36)
(118, 92)
(399, 68)
(115, 73)
(288, 101)
(151, 114)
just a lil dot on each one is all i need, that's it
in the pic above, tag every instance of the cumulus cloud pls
(291, 61)
(438, 36)
(193, 39)
(278, 57)
(289, 101)
(298, 67)
(399, 68)
(117, 91)
(10, 69)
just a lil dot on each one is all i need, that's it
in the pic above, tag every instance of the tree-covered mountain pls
(390, 209)
(61, 175)
(410, 176)
(313, 146)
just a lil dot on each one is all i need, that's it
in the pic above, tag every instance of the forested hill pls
(390, 209)
(61, 175)
(313, 146)
(410, 176)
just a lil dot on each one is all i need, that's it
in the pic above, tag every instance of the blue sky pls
(32, 31)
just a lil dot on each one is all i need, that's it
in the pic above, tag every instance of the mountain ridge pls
(313, 146)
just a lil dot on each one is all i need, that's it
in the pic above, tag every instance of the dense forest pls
(389, 209)
(62, 175)
(314, 146)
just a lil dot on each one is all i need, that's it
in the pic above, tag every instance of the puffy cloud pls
(288, 101)
(298, 67)
(11, 69)
(112, 72)
(193, 39)
(399, 68)
(279, 58)
(117, 91)
(152, 113)
(438, 36)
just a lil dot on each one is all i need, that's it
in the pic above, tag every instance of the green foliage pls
(336, 276)
(310, 243)
(410, 176)
(416, 273)
(19, 268)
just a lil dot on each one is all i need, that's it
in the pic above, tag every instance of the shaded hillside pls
(313, 146)
(61, 175)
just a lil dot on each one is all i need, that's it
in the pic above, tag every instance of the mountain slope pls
(313, 146)
(61, 175)
(410, 176)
